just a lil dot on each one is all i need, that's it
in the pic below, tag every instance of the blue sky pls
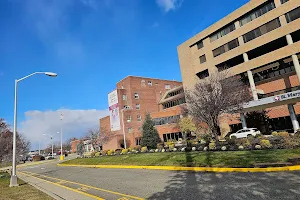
(91, 44)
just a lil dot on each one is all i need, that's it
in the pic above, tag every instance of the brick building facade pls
(136, 97)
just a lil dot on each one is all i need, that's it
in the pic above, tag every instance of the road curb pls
(196, 169)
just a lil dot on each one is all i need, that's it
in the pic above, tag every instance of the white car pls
(243, 133)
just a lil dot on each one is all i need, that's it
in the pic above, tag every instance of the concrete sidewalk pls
(55, 190)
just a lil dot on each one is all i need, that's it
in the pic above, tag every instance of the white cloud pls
(75, 124)
(168, 5)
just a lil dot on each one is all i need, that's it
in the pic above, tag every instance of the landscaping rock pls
(295, 160)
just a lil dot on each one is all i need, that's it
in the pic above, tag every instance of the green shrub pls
(103, 152)
(169, 143)
(137, 148)
(233, 137)
(171, 146)
(265, 144)
(212, 146)
(110, 152)
(124, 151)
(258, 135)
(232, 141)
(284, 134)
(97, 154)
(144, 149)
(274, 133)
(160, 146)
(245, 142)
(289, 143)
(118, 152)
(130, 149)
(93, 154)
(250, 137)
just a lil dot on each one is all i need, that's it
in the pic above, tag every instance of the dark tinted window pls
(293, 15)
(202, 59)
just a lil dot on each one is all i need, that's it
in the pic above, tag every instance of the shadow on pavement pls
(221, 186)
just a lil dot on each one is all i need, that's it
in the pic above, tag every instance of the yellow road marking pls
(200, 169)
(80, 192)
(88, 186)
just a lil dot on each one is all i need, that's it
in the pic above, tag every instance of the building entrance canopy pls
(277, 100)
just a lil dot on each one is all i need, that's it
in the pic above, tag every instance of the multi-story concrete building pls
(259, 42)
(128, 104)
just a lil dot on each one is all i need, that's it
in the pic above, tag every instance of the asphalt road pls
(159, 184)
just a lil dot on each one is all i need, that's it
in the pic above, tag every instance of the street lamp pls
(14, 179)
(51, 137)
(61, 139)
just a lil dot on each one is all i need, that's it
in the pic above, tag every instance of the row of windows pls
(257, 13)
(222, 32)
(172, 94)
(261, 30)
(138, 117)
(261, 10)
(293, 15)
(174, 103)
(166, 120)
(283, 68)
(226, 47)
(137, 106)
(172, 136)
(143, 84)
(138, 141)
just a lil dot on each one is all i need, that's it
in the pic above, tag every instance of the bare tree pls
(218, 94)
(6, 140)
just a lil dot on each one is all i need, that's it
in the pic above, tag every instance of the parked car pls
(243, 133)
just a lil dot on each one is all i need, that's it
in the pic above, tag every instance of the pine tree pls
(150, 137)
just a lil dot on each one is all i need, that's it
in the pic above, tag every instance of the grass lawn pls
(199, 159)
(23, 192)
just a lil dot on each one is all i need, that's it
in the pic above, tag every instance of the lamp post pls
(61, 140)
(51, 137)
(14, 179)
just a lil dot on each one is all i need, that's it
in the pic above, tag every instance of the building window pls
(199, 44)
(222, 32)
(137, 106)
(274, 24)
(202, 59)
(257, 13)
(143, 83)
(124, 97)
(167, 86)
(129, 130)
(172, 136)
(293, 15)
(150, 83)
(203, 74)
(173, 103)
(138, 141)
(284, 1)
(128, 118)
(139, 118)
(166, 120)
(226, 47)
(156, 84)
(136, 96)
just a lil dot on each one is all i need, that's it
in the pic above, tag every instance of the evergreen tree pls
(150, 137)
